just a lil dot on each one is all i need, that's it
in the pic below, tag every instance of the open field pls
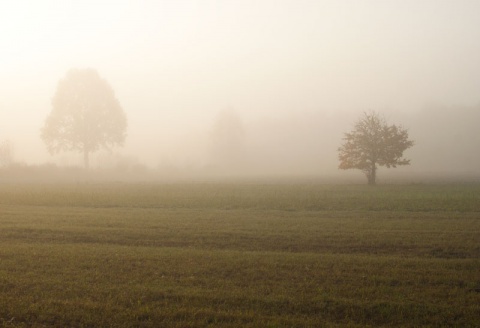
(239, 255)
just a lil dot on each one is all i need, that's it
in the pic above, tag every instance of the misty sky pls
(174, 65)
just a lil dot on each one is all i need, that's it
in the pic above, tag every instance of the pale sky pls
(174, 65)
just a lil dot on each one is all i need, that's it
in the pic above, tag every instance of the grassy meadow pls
(239, 255)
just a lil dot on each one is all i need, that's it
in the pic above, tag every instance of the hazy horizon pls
(295, 74)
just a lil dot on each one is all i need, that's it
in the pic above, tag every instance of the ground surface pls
(231, 255)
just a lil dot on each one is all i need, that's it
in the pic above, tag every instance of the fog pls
(250, 87)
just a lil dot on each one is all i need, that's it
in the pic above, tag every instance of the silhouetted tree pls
(227, 139)
(85, 116)
(6, 153)
(373, 142)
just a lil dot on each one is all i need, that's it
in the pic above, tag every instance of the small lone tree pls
(6, 153)
(373, 142)
(227, 140)
(86, 115)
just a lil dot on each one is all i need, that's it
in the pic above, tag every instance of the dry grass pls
(230, 255)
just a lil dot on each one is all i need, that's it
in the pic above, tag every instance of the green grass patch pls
(231, 255)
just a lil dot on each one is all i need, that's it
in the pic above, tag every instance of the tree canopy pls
(373, 142)
(85, 117)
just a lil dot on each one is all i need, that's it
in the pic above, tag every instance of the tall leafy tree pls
(373, 143)
(85, 117)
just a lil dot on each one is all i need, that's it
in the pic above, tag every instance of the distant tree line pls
(86, 116)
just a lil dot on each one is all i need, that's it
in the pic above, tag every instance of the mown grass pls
(231, 255)
(309, 197)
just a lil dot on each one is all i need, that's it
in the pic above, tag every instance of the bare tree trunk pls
(373, 175)
(86, 160)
